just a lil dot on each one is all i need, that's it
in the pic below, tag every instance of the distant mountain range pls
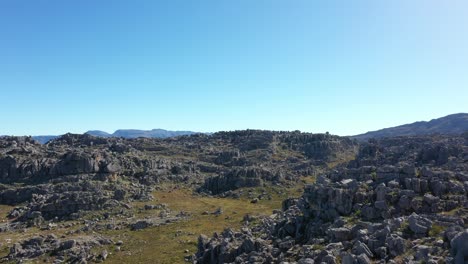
(44, 139)
(135, 133)
(451, 124)
(127, 133)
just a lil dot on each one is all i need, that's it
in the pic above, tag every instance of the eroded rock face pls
(459, 245)
(70, 251)
(240, 177)
(419, 225)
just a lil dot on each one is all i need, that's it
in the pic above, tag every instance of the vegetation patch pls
(171, 243)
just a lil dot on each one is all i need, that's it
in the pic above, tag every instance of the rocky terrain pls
(447, 125)
(81, 184)
(81, 198)
(401, 200)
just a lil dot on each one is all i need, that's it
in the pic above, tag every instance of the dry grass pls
(166, 244)
(341, 160)
(436, 230)
(452, 212)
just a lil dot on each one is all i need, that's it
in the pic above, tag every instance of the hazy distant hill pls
(44, 139)
(98, 133)
(126, 133)
(451, 124)
(134, 133)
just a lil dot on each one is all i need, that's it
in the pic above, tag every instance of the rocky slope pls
(451, 124)
(402, 200)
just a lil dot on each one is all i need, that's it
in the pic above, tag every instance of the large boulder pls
(459, 246)
(396, 245)
(76, 163)
(419, 224)
(340, 234)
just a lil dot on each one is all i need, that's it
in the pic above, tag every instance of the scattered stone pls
(142, 224)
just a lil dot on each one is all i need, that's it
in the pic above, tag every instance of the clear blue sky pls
(340, 66)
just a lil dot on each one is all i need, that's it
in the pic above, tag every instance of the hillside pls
(451, 124)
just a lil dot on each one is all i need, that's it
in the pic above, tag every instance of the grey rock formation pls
(72, 251)
(418, 224)
(459, 245)
(239, 177)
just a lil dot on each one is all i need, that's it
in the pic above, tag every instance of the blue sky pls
(340, 66)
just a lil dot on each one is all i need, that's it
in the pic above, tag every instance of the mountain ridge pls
(450, 124)
(125, 133)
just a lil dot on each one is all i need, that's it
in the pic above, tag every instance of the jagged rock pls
(418, 224)
(67, 244)
(218, 211)
(340, 234)
(69, 250)
(430, 199)
(404, 202)
(422, 253)
(239, 177)
(149, 207)
(396, 245)
(350, 184)
(142, 224)
(393, 184)
(347, 258)
(381, 205)
(363, 259)
(439, 188)
(452, 232)
(381, 252)
(361, 248)
(119, 194)
(381, 192)
(286, 245)
(103, 255)
(459, 247)
(306, 261)
(369, 212)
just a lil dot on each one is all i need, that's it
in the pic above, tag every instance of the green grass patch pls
(168, 243)
(436, 230)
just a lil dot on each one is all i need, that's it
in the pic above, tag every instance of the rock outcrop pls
(402, 200)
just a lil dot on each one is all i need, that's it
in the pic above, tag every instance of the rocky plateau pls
(387, 200)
